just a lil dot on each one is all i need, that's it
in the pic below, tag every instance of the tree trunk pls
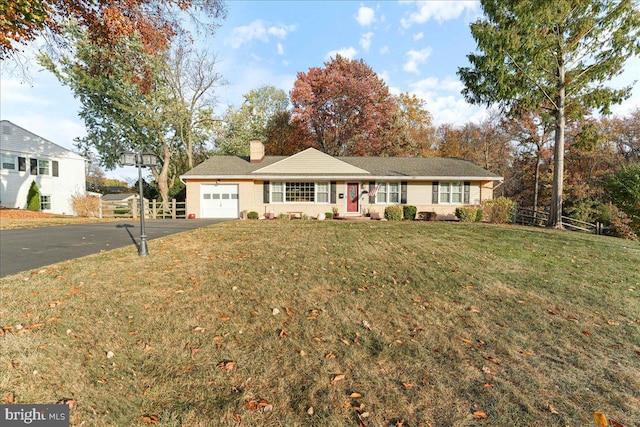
(555, 217)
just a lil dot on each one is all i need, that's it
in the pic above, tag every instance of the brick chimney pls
(256, 151)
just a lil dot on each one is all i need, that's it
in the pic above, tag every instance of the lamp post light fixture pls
(140, 160)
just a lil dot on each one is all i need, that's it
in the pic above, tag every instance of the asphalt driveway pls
(26, 249)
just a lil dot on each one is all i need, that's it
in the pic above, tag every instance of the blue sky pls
(415, 47)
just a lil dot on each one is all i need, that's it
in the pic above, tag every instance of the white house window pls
(8, 162)
(300, 192)
(388, 192)
(277, 194)
(43, 167)
(450, 192)
(45, 203)
(322, 192)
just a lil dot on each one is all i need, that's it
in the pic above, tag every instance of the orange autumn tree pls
(345, 106)
(154, 22)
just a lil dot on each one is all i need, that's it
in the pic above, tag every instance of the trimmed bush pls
(328, 215)
(283, 216)
(469, 214)
(500, 210)
(409, 212)
(393, 213)
(253, 215)
(33, 198)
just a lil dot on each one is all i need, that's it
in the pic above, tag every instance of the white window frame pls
(449, 194)
(44, 167)
(321, 192)
(45, 200)
(388, 193)
(5, 161)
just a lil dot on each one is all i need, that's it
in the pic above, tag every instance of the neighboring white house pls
(26, 157)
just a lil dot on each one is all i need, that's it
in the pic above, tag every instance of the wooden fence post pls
(134, 208)
(154, 207)
(173, 209)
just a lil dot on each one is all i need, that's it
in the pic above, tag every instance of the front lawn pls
(296, 323)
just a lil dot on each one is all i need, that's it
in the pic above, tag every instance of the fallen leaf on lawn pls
(329, 356)
(492, 359)
(488, 370)
(586, 333)
(345, 342)
(147, 347)
(480, 414)
(224, 318)
(251, 404)
(473, 310)
(337, 378)
(150, 418)
(527, 353)
(255, 313)
(289, 312)
(226, 365)
(237, 417)
(310, 410)
(551, 312)
(355, 395)
(488, 385)
(198, 329)
(195, 351)
(283, 334)
(614, 423)
(69, 402)
(110, 354)
(553, 410)
(360, 421)
(462, 339)
(407, 385)
(218, 338)
(600, 419)
(366, 324)
(10, 398)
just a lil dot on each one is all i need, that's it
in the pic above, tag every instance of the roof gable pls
(16, 139)
(311, 161)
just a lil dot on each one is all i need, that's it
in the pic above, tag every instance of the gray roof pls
(401, 167)
(19, 140)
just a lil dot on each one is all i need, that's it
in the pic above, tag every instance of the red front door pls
(352, 198)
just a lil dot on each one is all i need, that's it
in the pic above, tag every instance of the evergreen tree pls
(551, 54)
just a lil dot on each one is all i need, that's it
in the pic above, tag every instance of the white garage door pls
(219, 201)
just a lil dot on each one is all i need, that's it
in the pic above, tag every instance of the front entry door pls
(353, 197)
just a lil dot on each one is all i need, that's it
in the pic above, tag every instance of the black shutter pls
(54, 167)
(333, 191)
(403, 192)
(372, 199)
(265, 192)
(467, 191)
(434, 194)
(33, 163)
(22, 164)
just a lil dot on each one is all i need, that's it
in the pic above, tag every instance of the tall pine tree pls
(552, 54)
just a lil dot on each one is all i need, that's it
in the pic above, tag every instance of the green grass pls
(428, 322)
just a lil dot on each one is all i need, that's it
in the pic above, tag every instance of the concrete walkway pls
(27, 249)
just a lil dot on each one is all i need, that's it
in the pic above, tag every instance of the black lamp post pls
(140, 160)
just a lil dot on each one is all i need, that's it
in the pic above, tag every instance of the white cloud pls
(346, 52)
(384, 50)
(280, 49)
(439, 10)
(449, 84)
(365, 41)
(418, 36)
(416, 57)
(365, 16)
(258, 30)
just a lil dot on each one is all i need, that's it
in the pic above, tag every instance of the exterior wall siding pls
(14, 184)
(419, 194)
